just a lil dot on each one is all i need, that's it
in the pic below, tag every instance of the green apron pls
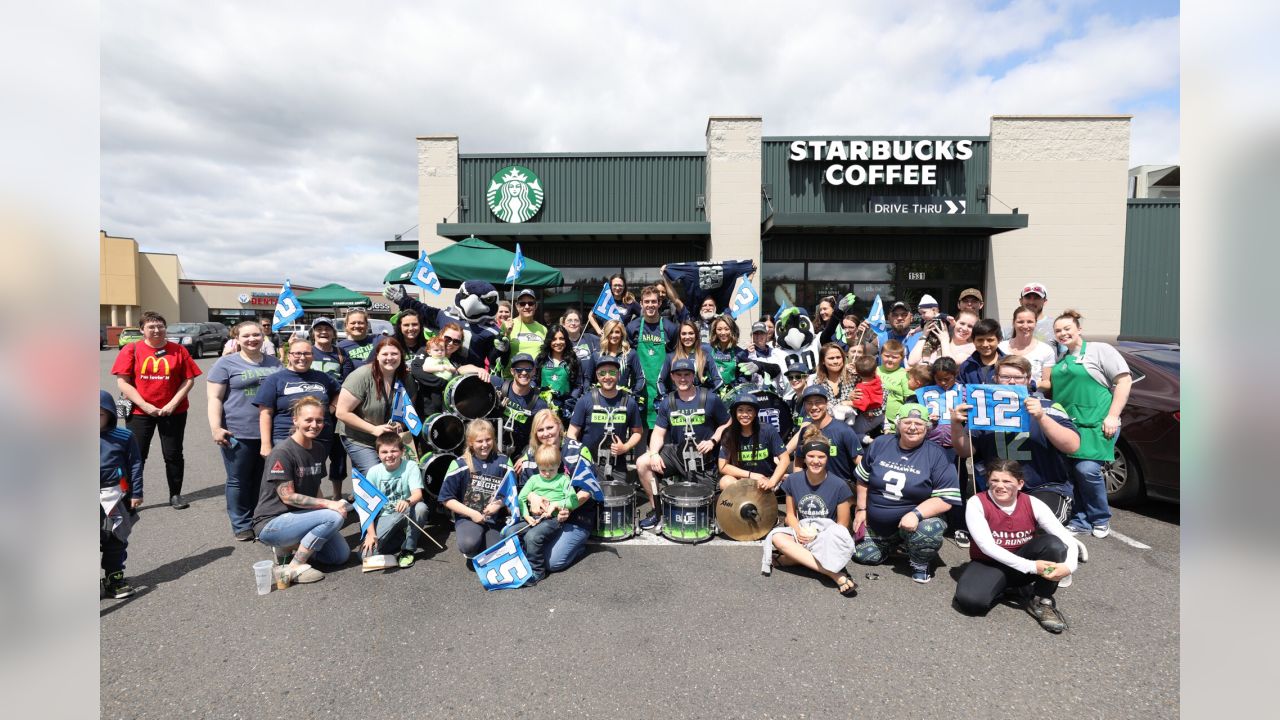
(555, 378)
(1087, 403)
(728, 368)
(652, 354)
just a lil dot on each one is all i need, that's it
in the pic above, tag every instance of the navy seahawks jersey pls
(594, 412)
(898, 480)
(708, 278)
(679, 417)
(517, 412)
(756, 453)
(1043, 467)
(845, 447)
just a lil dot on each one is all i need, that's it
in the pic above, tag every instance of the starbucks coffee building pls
(1038, 198)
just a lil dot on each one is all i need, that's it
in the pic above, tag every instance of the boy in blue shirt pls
(119, 494)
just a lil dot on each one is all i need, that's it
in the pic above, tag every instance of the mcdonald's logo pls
(151, 367)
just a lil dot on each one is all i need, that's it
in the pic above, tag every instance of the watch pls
(918, 513)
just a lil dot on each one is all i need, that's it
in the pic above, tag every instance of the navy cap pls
(815, 391)
(795, 364)
(744, 398)
(683, 364)
(608, 360)
(522, 358)
(899, 306)
(759, 327)
(323, 321)
(526, 291)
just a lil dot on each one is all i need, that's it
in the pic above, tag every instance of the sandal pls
(848, 587)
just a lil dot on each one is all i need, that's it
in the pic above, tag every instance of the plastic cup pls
(262, 573)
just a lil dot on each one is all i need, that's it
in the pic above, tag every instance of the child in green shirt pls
(554, 486)
(894, 378)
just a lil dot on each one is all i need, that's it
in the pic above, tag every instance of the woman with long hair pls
(558, 371)
(625, 300)
(470, 490)
(584, 344)
(689, 345)
(613, 341)
(1041, 355)
(409, 332)
(832, 374)
(725, 352)
(366, 399)
(569, 542)
(750, 451)
(957, 345)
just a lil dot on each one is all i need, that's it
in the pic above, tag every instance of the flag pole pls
(424, 532)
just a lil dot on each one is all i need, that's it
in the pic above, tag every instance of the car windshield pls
(1167, 358)
(184, 329)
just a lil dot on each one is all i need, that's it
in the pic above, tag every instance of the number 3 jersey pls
(898, 480)
(1043, 467)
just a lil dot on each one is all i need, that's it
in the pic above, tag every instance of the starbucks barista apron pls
(652, 353)
(1088, 403)
(727, 367)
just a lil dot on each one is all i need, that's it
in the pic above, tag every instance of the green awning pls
(475, 259)
(333, 296)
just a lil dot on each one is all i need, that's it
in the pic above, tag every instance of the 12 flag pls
(288, 308)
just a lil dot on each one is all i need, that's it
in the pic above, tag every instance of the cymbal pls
(745, 512)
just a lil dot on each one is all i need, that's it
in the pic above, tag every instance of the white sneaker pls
(1101, 531)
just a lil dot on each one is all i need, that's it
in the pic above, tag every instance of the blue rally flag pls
(606, 308)
(998, 408)
(424, 276)
(778, 313)
(510, 498)
(517, 266)
(369, 499)
(745, 297)
(940, 402)
(584, 478)
(403, 412)
(875, 318)
(288, 308)
(503, 566)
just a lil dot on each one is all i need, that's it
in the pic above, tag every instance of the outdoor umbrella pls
(332, 296)
(475, 259)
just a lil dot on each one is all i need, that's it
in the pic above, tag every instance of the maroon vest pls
(1010, 531)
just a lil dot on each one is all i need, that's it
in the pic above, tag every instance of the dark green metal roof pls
(1152, 241)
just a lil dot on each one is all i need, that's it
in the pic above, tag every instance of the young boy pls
(119, 494)
(980, 367)
(437, 362)
(553, 486)
(893, 377)
(869, 402)
(401, 482)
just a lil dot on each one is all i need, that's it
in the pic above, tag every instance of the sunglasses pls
(526, 303)
(796, 376)
(452, 341)
(299, 354)
(607, 373)
(521, 371)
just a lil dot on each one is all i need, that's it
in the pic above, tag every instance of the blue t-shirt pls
(1043, 467)
(329, 363)
(845, 446)
(358, 353)
(594, 411)
(755, 453)
(474, 489)
(898, 480)
(242, 378)
(816, 502)
(702, 419)
(281, 390)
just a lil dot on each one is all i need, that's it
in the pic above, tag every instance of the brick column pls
(437, 197)
(733, 195)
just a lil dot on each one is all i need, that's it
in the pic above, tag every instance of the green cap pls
(913, 410)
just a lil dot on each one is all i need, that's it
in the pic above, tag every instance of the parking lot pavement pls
(641, 627)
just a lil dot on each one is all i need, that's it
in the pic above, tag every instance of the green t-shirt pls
(527, 338)
(896, 392)
(557, 490)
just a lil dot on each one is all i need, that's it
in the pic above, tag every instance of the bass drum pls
(470, 397)
(434, 467)
(445, 432)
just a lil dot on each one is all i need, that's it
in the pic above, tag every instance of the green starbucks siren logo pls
(515, 194)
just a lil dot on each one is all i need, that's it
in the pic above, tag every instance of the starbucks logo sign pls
(515, 194)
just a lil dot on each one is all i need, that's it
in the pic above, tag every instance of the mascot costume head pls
(795, 336)
(476, 301)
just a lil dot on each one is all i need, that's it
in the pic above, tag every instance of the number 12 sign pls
(998, 408)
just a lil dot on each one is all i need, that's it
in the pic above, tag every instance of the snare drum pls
(616, 516)
(434, 467)
(470, 397)
(444, 432)
(687, 512)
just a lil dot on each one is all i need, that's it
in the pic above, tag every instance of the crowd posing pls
(821, 409)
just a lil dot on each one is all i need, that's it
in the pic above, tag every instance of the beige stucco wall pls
(437, 198)
(1069, 175)
(158, 275)
(733, 194)
(117, 270)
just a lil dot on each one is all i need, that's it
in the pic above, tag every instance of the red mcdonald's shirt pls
(157, 373)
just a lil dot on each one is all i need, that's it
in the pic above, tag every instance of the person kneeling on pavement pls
(290, 510)
(1018, 544)
(695, 419)
(392, 531)
(552, 492)
(119, 493)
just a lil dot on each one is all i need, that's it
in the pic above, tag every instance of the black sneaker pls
(177, 503)
(244, 535)
(1045, 610)
(117, 587)
(651, 522)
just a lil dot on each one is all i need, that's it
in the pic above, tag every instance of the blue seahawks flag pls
(778, 313)
(606, 308)
(369, 499)
(584, 478)
(744, 298)
(424, 275)
(288, 308)
(503, 566)
(875, 318)
(509, 497)
(402, 410)
(998, 408)
(517, 266)
(940, 402)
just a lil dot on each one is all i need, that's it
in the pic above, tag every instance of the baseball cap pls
(913, 410)
(744, 398)
(759, 327)
(322, 321)
(683, 364)
(796, 365)
(927, 301)
(815, 391)
(523, 292)
(899, 305)
(1035, 288)
(608, 360)
(975, 292)
(522, 358)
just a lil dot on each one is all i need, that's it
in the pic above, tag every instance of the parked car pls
(376, 327)
(128, 335)
(199, 337)
(287, 331)
(102, 337)
(1147, 453)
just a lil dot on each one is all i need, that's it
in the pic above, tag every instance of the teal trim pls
(879, 223)
(573, 229)
(1151, 294)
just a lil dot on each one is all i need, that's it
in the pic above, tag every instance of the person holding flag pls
(523, 334)
(552, 490)
(565, 546)
(625, 301)
(473, 490)
(366, 402)
(396, 526)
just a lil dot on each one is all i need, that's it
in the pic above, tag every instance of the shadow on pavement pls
(168, 572)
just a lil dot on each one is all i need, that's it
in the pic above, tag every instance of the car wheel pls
(1122, 476)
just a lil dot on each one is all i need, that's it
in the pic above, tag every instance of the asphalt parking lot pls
(640, 628)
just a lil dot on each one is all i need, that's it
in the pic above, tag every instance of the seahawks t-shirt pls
(594, 412)
(898, 480)
(756, 452)
(288, 462)
(845, 447)
(701, 419)
(281, 390)
(816, 502)
(474, 489)
(1043, 467)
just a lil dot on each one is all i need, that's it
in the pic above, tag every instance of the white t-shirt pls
(1040, 355)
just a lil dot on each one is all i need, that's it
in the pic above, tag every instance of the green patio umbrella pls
(475, 259)
(333, 296)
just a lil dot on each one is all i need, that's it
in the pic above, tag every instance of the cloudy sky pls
(263, 139)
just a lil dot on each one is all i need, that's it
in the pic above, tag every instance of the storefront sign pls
(515, 194)
(917, 206)
(259, 298)
(911, 162)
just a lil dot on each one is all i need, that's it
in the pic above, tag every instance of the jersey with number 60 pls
(899, 480)
(1043, 467)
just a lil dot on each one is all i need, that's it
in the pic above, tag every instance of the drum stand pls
(605, 458)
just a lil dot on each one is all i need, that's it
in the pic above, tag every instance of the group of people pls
(820, 408)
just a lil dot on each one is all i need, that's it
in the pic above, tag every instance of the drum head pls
(617, 491)
(445, 432)
(687, 492)
(434, 467)
(470, 397)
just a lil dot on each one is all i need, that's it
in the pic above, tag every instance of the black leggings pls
(473, 538)
(172, 430)
(982, 582)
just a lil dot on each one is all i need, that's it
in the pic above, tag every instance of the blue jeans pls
(396, 533)
(243, 463)
(1091, 495)
(362, 456)
(537, 541)
(317, 530)
(566, 547)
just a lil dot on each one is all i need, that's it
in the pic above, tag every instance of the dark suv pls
(199, 338)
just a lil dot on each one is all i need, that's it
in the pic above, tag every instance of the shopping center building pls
(1039, 198)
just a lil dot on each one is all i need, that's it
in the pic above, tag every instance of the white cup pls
(262, 573)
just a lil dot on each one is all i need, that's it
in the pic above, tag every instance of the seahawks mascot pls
(794, 335)
(474, 308)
